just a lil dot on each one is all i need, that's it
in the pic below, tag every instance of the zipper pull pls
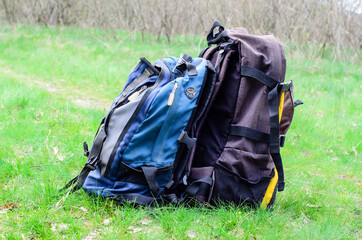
(136, 94)
(172, 95)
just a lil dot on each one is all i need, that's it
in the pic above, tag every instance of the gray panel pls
(117, 122)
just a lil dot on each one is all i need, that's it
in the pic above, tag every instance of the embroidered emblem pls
(190, 92)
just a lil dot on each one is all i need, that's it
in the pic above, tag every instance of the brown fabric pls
(247, 158)
(288, 111)
(241, 164)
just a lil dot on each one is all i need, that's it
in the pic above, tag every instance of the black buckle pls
(281, 140)
(86, 150)
(184, 138)
(284, 87)
(224, 46)
(92, 163)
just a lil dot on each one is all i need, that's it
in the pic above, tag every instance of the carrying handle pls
(217, 37)
(183, 64)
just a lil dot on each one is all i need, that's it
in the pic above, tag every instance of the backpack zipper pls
(131, 96)
(134, 95)
(172, 94)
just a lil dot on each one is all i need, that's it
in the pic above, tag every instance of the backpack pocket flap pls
(230, 187)
(288, 111)
(249, 166)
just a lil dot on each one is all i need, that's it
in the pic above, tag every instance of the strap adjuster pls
(91, 163)
(281, 140)
(284, 87)
(184, 138)
(86, 150)
(224, 46)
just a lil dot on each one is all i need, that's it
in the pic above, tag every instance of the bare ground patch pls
(78, 97)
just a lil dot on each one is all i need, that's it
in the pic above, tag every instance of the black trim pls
(140, 170)
(169, 69)
(279, 166)
(220, 36)
(258, 75)
(143, 59)
(273, 99)
(150, 175)
(250, 133)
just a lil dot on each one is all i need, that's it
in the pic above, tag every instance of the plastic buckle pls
(184, 138)
(184, 180)
(92, 163)
(284, 87)
(223, 47)
(86, 151)
(179, 139)
(281, 140)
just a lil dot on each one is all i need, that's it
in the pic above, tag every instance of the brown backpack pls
(236, 157)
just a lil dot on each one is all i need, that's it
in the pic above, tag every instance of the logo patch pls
(190, 92)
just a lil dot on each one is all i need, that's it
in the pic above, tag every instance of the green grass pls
(55, 86)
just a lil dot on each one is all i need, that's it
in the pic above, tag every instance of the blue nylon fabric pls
(113, 174)
(152, 138)
(135, 73)
(101, 186)
(155, 142)
(98, 185)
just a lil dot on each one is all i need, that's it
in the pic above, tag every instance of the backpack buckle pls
(91, 163)
(281, 140)
(223, 47)
(184, 138)
(86, 150)
(285, 86)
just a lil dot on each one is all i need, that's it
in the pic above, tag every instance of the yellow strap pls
(269, 191)
(273, 182)
(281, 104)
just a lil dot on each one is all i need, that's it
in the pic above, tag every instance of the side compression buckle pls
(281, 140)
(284, 87)
(184, 138)
(86, 150)
(91, 163)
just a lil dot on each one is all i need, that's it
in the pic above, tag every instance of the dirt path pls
(78, 97)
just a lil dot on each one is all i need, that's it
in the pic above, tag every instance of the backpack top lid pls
(261, 52)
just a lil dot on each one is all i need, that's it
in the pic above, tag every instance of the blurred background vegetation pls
(313, 28)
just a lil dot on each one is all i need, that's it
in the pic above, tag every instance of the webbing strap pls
(143, 59)
(197, 186)
(250, 133)
(258, 75)
(91, 164)
(273, 99)
(150, 175)
(219, 36)
(279, 166)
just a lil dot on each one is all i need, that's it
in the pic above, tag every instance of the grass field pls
(55, 86)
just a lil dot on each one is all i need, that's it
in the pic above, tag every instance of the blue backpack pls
(149, 126)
